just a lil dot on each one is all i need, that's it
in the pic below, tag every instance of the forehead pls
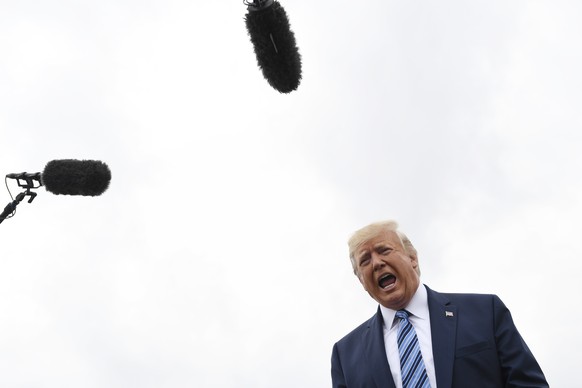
(384, 238)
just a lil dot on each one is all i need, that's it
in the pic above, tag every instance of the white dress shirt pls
(420, 319)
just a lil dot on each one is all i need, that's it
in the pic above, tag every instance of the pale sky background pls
(218, 256)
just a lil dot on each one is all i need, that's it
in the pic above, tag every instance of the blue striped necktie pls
(412, 368)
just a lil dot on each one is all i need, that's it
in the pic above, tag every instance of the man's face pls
(386, 271)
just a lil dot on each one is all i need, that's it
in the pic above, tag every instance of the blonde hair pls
(365, 234)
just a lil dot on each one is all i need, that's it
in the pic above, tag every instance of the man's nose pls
(377, 261)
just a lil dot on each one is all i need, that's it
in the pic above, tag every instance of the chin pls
(394, 304)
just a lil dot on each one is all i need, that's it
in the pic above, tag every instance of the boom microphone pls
(69, 177)
(274, 44)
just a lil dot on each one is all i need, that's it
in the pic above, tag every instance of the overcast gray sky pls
(218, 256)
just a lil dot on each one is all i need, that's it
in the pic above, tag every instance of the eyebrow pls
(362, 254)
(383, 245)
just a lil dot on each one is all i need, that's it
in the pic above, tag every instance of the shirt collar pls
(418, 307)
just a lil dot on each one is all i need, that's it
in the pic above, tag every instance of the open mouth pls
(386, 280)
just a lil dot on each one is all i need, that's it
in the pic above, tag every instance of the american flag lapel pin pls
(448, 314)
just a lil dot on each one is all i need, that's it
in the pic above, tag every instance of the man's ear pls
(414, 260)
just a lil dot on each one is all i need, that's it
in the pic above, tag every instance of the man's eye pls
(385, 251)
(364, 261)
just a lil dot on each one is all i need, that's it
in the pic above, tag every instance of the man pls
(442, 340)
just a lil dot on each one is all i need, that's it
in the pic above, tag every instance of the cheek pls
(361, 281)
(364, 281)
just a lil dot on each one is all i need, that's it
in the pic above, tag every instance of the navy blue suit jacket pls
(474, 342)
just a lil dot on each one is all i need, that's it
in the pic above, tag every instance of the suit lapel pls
(443, 324)
(375, 352)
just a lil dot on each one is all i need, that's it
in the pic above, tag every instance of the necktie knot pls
(402, 314)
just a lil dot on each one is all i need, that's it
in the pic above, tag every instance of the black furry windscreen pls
(76, 177)
(275, 47)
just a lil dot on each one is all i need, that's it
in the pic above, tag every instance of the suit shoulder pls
(356, 333)
(475, 300)
(470, 297)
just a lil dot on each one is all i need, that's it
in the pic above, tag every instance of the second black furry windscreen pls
(274, 44)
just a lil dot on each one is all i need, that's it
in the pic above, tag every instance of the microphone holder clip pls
(23, 195)
(27, 181)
